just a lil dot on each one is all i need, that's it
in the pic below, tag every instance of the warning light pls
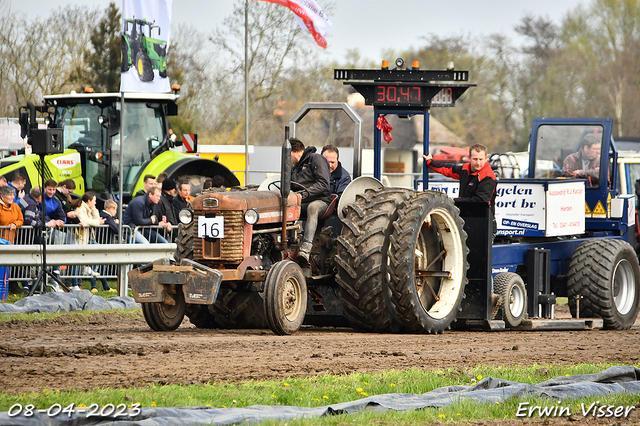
(385, 65)
(175, 88)
(415, 65)
(88, 90)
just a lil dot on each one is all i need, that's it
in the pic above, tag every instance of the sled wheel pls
(165, 317)
(514, 297)
(605, 274)
(285, 297)
(427, 263)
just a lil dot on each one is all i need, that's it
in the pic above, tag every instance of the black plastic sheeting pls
(614, 380)
(67, 302)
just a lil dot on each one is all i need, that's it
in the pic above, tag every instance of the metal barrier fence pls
(26, 241)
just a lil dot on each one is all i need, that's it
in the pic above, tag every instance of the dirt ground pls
(113, 350)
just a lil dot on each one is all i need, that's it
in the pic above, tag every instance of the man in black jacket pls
(340, 178)
(310, 170)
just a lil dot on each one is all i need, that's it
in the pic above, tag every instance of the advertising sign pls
(565, 208)
(528, 209)
(520, 209)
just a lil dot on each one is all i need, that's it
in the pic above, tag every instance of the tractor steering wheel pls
(303, 189)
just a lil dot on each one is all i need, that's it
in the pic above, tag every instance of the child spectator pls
(109, 214)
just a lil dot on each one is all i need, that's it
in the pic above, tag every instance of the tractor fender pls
(177, 165)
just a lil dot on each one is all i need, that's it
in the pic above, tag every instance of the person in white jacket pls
(89, 216)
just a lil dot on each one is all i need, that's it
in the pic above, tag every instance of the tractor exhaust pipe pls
(285, 182)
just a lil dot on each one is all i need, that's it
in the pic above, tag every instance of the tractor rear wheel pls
(362, 259)
(514, 297)
(427, 263)
(200, 316)
(185, 241)
(285, 297)
(126, 60)
(143, 66)
(238, 309)
(605, 274)
(165, 317)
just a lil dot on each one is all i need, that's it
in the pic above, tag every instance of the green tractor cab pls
(90, 124)
(141, 51)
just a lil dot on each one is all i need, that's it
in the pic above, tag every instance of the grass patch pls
(330, 389)
(78, 316)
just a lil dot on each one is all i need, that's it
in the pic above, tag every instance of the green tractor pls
(141, 51)
(91, 157)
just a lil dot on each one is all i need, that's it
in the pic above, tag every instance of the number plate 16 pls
(211, 227)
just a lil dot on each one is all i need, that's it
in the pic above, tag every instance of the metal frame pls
(353, 115)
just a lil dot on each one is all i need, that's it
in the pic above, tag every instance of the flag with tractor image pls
(145, 42)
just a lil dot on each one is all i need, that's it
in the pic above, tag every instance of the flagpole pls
(246, 92)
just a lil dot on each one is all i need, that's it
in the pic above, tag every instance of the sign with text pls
(527, 209)
(565, 208)
(520, 209)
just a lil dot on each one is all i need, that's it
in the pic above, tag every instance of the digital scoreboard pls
(406, 88)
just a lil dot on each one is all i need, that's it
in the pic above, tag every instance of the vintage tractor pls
(142, 51)
(236, 263)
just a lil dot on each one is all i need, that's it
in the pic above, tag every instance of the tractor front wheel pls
(163, 316)
(285, 297)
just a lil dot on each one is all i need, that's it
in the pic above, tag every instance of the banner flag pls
(145, 43)
(309, 16)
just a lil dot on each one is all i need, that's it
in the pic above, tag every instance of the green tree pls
(102, 68)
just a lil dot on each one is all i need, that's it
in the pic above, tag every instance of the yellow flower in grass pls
(153, 404)
(325, 397)
(442, 416)
(359, 390)
(479, 377)
(363, 393)
(286, 384)
(393, 385)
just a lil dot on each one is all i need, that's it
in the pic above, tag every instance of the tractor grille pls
(227, 249)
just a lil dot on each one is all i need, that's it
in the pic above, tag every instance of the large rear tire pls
(200, 316)
(236, 309)
(514, 297)
(427, 263)
(143, 66)
(285, 297)
(185, 241)
(362, 259)
(606, 275)
(165, 317)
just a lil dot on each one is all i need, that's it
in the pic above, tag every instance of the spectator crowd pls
(150, 217)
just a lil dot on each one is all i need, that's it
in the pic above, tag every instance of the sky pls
(370, 26)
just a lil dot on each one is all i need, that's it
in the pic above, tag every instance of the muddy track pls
(116, 350)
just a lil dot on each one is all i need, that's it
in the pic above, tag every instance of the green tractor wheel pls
(126, 59)
(143, 66)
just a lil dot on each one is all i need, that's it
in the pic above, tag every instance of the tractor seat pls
(331, 208)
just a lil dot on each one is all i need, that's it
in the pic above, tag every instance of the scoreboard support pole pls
(377, 139)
